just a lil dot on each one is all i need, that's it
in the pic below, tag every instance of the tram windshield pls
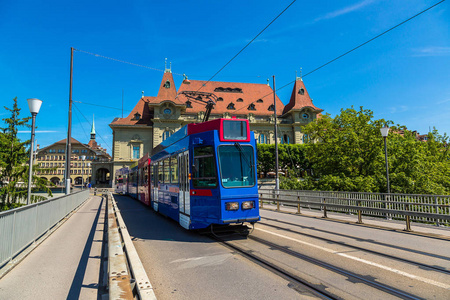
(237, 165)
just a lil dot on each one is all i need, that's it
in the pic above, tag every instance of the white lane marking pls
(426, 280)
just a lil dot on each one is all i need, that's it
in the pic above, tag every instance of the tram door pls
(154, 188)
(185, 203)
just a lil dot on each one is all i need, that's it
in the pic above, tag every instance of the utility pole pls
(277, 180)
(69, 128)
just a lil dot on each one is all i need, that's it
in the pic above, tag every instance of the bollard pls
(278, 203)
(298, 205)
(324, 209)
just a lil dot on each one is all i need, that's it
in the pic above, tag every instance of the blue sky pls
(403, 76)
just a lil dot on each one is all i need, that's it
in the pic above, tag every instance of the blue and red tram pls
(121, 180)
(132, 181)
(203, 175)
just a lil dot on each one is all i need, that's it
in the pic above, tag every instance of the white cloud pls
(432, 51)
(398, 109)
(344, 10)
(443, 101)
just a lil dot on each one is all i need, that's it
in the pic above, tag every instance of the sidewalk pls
(67, 264)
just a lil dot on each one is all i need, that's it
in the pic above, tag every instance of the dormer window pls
(240, 100)
(301, 91)
(228, 90)
(188, 104)
(259, 101)
(231, 106)
(137, 116)
(271, 108)
(251, 107)
(220, 99)
(167, 84)
(199, 98)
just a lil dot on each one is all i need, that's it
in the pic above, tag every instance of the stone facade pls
(94, 168)
(153, 119)
(53, 157)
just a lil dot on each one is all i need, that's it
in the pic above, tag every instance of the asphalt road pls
(186, 265)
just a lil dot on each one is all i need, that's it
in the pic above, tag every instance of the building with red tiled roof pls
(53, 159)
(153, 119)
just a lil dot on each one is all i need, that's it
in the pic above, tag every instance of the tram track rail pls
(319, 291)
(298, 283)
(408, 261)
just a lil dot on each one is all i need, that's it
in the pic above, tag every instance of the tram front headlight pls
(232, 205)
(248, 204)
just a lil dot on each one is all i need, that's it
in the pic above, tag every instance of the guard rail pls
(430, 209)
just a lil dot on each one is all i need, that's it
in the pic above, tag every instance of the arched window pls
(301, 91)
(305, 139)
(220, 99)
(240, 100)
(262, 139)
(259, 101)
(166, 134)
(167, 84)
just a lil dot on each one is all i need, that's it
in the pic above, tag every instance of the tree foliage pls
(290, 157)
(348, 155)
(14, 162)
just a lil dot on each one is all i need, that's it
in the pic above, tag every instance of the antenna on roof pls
(268, 82)
(142, 94)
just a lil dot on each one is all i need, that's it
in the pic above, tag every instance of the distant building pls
(154, 119)
(53, 157)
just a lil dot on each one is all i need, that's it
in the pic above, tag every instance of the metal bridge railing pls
(21, 227)
(430, 209)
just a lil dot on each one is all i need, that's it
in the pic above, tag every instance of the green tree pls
(14, 159)
(291, 157)
(348, 155)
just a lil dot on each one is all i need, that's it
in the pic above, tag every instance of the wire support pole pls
(277, 180)
(69, 128)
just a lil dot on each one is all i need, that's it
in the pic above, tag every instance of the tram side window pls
(173, 169)
(151, 173)
(160, 172)
(167, 170)
(145, 175)
(204, 167)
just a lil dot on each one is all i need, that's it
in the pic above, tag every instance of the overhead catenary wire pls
(355, 48)
(248, 44)
(98, 105)
(282, 87)
(91, 125)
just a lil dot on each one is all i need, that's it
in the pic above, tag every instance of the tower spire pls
(93, 129)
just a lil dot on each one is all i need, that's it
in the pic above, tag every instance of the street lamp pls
(384, 132)
(83, 158)
(34, 105)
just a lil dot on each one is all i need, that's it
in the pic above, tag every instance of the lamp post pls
(83, 158)
(384, 133)
(34, 105)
